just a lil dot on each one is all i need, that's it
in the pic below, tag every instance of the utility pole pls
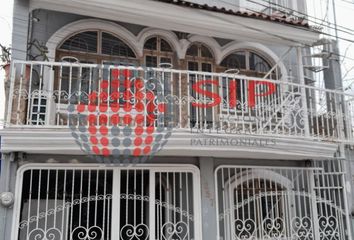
(333, 80)
(335, 19)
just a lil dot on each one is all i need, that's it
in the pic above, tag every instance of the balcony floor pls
(182, 142)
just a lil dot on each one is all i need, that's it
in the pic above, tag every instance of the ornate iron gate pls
(282, 203)
(66, 203)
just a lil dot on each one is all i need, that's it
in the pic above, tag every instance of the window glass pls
(82, 42)
(236, 60)
(206, 67)
(158, 53)
(193, 51)
(258, 64)
(151, 61)
(193, 66)
(165, 60)
(205, 52)
(165, 46)
(249, 64)
(75, 81)
(113, 46)
(151, 44)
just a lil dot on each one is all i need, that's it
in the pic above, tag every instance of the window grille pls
(108, 203)
(282, 203)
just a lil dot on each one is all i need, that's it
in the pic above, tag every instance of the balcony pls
(53, 97)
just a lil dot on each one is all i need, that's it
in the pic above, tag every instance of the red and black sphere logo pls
(122, 118)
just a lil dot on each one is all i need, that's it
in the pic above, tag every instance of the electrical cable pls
(347, 30)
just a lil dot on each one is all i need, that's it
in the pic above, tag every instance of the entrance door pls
(110, 203)
(282, 203)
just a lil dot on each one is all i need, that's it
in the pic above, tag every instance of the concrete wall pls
(20, 29)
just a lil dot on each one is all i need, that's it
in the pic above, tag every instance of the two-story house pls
(171, 120)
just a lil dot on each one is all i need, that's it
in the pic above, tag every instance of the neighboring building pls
(255, 150)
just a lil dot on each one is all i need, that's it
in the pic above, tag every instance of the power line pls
(307, 15)
(302, 28)
(291, 13)
(280, 37)
(347, 30)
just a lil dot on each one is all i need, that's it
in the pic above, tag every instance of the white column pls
(7, 184)
(209, 222)
(303, 91)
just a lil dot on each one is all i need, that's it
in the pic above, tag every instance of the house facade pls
(161, 119)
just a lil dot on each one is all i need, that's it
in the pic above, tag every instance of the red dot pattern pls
(109, 97)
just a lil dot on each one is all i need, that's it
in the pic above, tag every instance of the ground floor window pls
(120, 203)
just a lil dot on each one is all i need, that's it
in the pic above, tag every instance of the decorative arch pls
(169, 36)
(261, 174)
(258, 48)
(87, 24)
(137, 43)
(234, 204)
(209, 42)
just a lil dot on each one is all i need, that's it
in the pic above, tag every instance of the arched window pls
(158, 52)
(199, 58)
(85, 42)
(89, 47)
(97, 47)
(249, 63)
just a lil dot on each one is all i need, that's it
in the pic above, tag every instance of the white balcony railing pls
(44, 94)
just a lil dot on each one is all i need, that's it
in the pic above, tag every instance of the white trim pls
(86, 24)
(55, 140)
(63, 166)
(169, 36)
(254, 173)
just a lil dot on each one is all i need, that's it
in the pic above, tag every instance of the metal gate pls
(282, 203)
(84, 203)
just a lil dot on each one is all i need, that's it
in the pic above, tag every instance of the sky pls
(317, 8)
(323, 11)
(345, 11)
